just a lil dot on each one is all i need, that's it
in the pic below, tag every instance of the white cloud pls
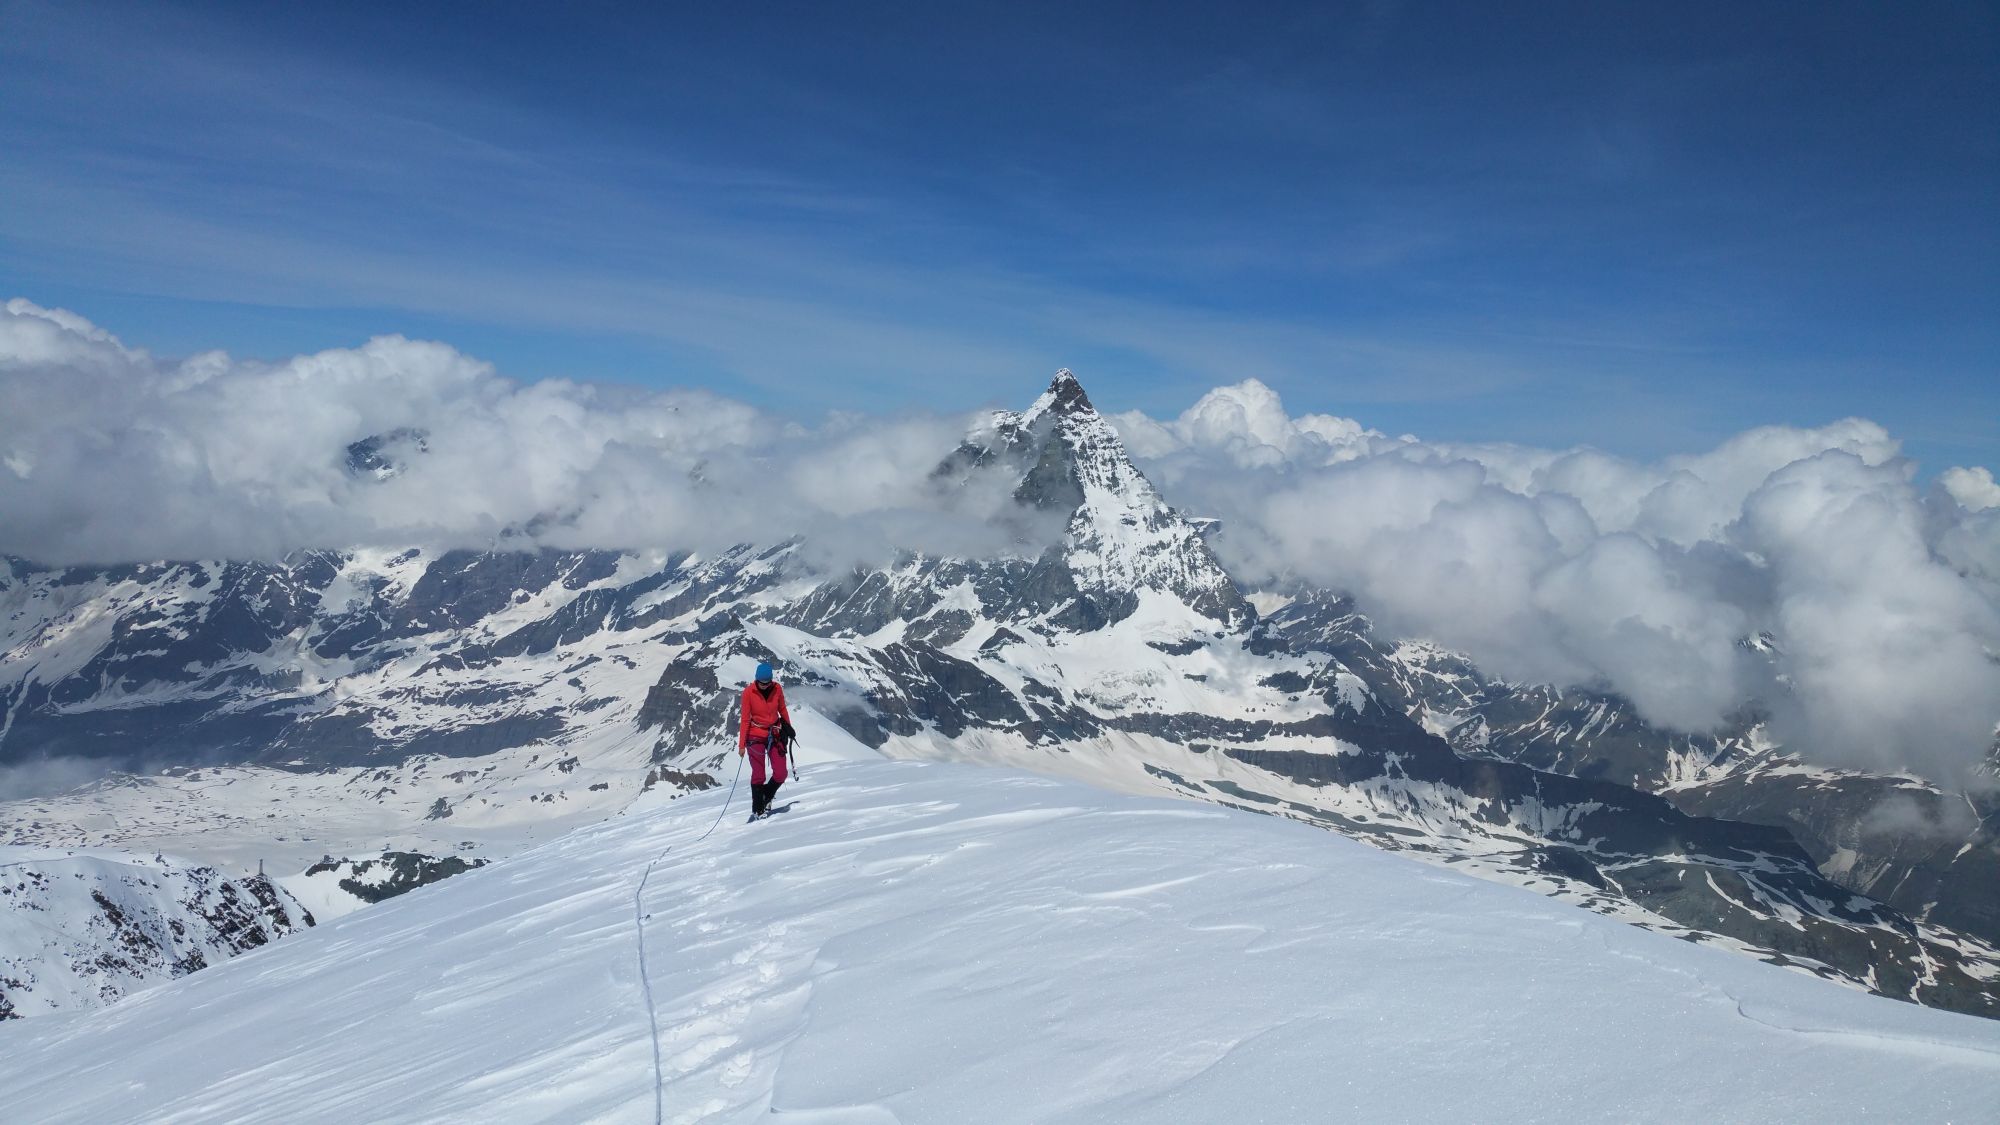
(110, 455)
(1944, 821)
(47, 777)
(1974, 488)
(1247, 423)
(1890, 651)
(1578, 567)
(1569, 566)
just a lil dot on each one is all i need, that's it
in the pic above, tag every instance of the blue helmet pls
(764, 672)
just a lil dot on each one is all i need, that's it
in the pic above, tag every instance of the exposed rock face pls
(391, 874)
(1122, 536)
(1119, 535)
(80, 931)
(1932, 854)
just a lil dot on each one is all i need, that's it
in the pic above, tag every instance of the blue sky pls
(1641, 228)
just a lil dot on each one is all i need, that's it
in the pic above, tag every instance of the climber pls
(765, 731)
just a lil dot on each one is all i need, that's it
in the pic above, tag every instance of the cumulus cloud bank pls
(1875, 604)
(107, 454)
(1880, 599)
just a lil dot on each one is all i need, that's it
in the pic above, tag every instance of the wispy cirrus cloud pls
(1185, 211)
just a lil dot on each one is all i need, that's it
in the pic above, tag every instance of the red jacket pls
(760, 713)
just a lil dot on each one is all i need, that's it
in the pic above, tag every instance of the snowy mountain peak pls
(383, 456)
(1121, 536)
(1064, 396)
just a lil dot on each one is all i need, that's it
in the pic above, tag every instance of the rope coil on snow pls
(645, 982)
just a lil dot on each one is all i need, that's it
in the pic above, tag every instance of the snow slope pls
(81, 929)
(919, 942)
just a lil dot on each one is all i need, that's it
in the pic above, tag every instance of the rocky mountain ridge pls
(1927, 851)
(82, 930)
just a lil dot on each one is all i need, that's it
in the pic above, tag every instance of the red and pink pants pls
(760, 749)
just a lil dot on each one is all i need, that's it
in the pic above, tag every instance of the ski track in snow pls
(919, 942)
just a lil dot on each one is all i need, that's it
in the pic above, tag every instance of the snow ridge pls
(929, 943)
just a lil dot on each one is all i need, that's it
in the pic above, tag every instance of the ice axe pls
(792, 740)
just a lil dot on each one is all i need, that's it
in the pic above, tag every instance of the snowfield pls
(924, 942)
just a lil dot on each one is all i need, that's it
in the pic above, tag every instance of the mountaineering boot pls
(771, 796)
(756, 799)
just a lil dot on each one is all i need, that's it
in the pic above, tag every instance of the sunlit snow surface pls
(924, 942)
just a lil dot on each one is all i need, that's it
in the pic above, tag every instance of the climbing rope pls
(645, 982)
